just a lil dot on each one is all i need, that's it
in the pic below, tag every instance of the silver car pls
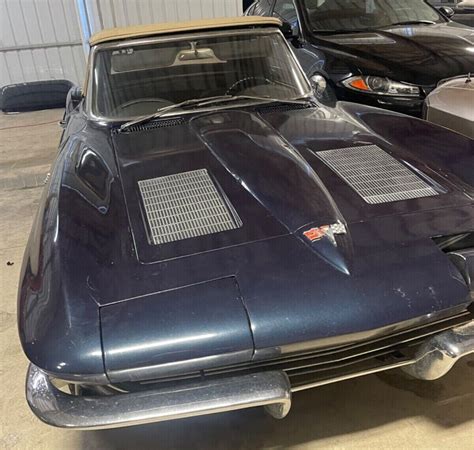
(451, 105)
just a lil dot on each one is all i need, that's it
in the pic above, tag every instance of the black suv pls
(459, 11)
(383, 53)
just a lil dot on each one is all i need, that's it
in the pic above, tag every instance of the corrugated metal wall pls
(40, 40)
(121, 13)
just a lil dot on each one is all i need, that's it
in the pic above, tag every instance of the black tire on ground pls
(34, 96)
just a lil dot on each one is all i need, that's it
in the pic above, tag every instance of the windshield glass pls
(136, 80)
(327, 15)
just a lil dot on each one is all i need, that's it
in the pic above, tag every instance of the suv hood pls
(418, 54)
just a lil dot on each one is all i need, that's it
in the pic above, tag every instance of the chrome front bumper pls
(438, 355)
(270, 389)
(54, 407)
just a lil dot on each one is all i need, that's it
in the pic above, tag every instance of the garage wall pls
(101, 14)
(40, 40)
(45, 39)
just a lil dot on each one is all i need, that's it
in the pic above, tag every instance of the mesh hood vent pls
(375, 175)
(184, 206)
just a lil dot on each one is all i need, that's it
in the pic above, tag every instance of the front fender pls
(58, 321)
(446, 151)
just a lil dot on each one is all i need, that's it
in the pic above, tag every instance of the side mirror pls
(288, 31)
(319, 85)
(446, 11)
(74, 98)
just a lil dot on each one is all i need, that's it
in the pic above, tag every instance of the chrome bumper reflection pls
(270, 389)
(439, 354)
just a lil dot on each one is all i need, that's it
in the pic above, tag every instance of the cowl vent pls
(163, 123)
(283, 107)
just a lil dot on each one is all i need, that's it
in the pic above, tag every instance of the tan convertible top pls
(140, 31)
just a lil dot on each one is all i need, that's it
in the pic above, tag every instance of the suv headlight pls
(381, 86)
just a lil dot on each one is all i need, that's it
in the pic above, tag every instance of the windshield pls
(352, 15)
(137, 80)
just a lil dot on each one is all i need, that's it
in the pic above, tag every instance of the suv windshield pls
(137, 80)
(353, 15)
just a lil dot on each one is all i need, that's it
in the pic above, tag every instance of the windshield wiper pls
(199, 102)
(159, 112)
(412, 22)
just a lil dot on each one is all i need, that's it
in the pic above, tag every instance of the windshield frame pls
(90, 88)
(313, 31)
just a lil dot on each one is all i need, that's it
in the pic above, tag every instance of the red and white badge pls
(317, 233)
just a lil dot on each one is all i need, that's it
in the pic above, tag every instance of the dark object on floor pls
(10, 263)
(34, 96)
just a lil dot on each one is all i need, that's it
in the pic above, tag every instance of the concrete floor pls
(385, 411)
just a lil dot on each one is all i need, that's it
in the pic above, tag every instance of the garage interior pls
(376, 411)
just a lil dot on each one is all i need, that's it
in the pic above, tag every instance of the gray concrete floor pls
(385, 411)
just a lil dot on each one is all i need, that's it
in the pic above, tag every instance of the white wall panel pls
(15, 70)
(122, 13)
(40, 40)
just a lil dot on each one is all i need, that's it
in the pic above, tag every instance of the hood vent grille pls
(185, 205)
(375, 175)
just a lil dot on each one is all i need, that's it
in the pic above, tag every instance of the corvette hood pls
(254, 172)
(271, 170)
(265, 289)
(415, 54)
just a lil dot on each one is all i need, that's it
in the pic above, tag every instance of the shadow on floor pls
(327, 412)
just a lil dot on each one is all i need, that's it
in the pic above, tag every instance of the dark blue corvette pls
(211, 238)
